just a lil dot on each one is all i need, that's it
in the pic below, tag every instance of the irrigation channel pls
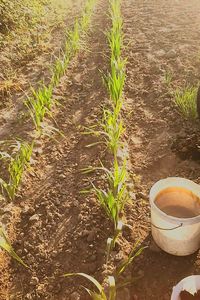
(55, 225)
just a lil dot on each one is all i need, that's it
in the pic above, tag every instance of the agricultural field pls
(97, 103)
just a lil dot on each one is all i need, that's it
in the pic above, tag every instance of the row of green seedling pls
(16, 155)
(114, 199)
(110, 129)
(40, 105)
(41, 101)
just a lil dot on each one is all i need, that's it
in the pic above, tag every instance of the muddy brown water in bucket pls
(178, 202)
(184, 295)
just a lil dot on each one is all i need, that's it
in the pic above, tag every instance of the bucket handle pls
(160, 228)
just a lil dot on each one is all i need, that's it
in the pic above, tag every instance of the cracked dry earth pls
(59, 229)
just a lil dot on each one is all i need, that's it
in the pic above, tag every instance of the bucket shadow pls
(187, 146)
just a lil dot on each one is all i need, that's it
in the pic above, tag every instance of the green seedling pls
(114, 198)
(73, 43)
(135, 252)
(40, 104)
(185, 101)
(100, 293)
(86, 17)
(5, 245)
(58, 70)
(51, 131)
(115, 9)
(115, 80)
(16, 166)
(111, 242)
(85, 21)
(111, 130)
(115, 37)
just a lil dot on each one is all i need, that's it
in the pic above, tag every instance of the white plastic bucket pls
(190, 284)
(177, 236)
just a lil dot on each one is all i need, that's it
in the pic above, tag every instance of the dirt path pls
(62, 230)
(163, 36)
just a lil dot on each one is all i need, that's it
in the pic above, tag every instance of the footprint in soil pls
(187, 147)
(184, 295)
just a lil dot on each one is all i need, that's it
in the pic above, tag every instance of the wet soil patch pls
(187, 146)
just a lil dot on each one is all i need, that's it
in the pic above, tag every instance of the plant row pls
(115, 196)
(39, 105)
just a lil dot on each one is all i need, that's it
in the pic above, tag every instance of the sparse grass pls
(27, 25)
(168, 78)
(185, 100)
(17, 163)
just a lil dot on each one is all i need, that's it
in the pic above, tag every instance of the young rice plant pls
(17, 163)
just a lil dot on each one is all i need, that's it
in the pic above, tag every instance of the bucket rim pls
(175, 220)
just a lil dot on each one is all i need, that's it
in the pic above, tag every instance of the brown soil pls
(161, 36)
(57, 222)
(61, 230)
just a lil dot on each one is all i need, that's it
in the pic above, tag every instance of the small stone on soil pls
(34, 280)
(28, 210)
(171, 54)
(75, 296)
(141, 195)
(34, 218)
(91, 236)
